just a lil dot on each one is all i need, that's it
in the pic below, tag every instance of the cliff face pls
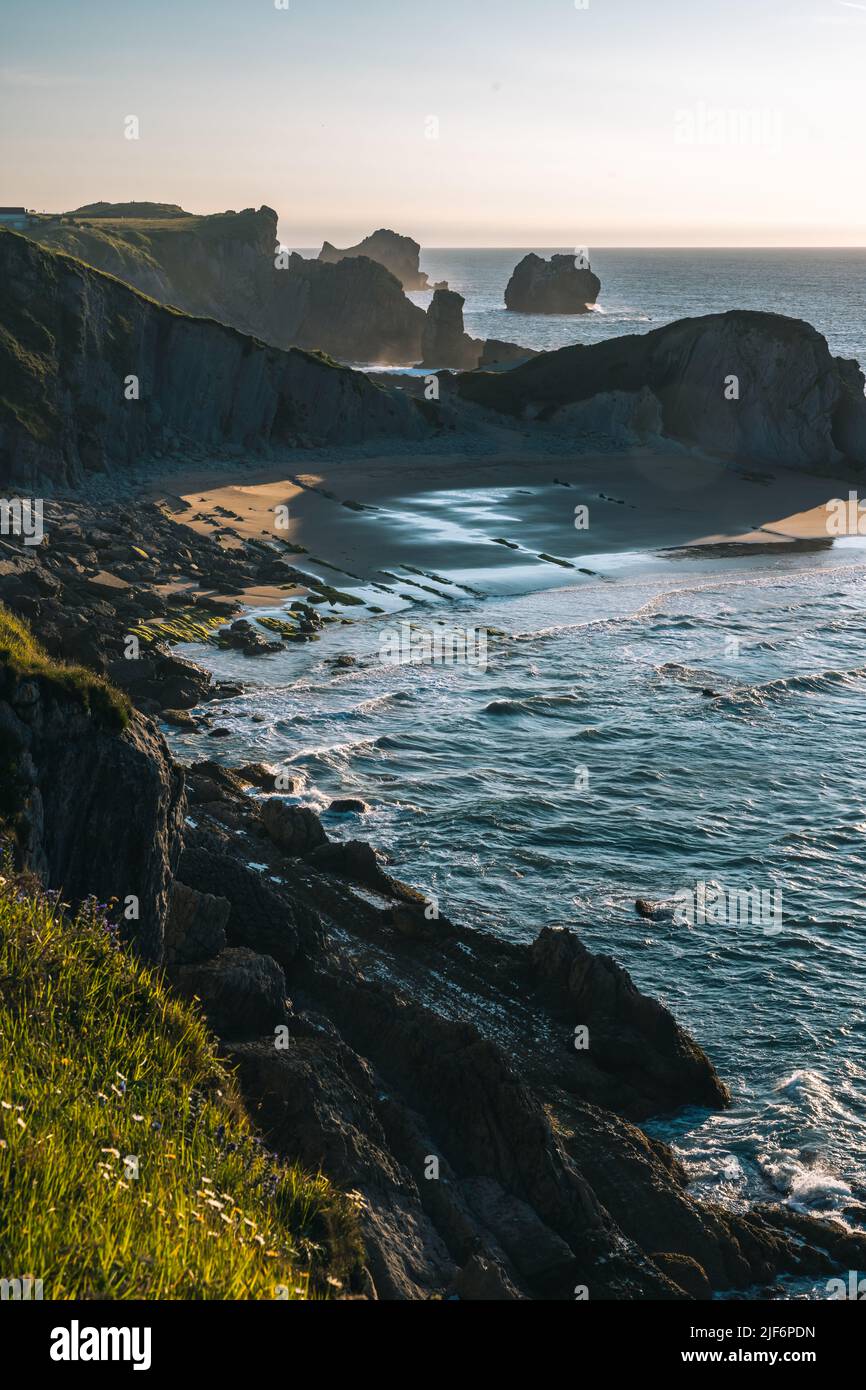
(755, 386)
(399, 254)
(70, 339)
(215, 267)
(556, 286)
(98, 812)
(354, 309)
(225, 267)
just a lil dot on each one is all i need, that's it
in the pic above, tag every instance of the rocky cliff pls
(227, 267)
(89, 792)
(556, 286)
(753, 386)
(399, 254)
(353, 309)
(97, 377)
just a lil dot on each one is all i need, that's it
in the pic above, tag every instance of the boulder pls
(296, 830)
(556, 286)
(195, 928)
(628, 1031)
(242, 993)
(354, 860)
(262, 915)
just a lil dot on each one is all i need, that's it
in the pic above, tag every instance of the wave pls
(532, 704)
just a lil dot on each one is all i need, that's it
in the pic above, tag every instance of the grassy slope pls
(98, 1061)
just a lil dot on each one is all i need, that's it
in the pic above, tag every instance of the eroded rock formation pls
(399, 254)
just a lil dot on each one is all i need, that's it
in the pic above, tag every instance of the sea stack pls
(556, 286)
(399, 254)
(443, 341)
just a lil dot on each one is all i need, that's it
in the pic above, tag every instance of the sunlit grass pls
(127, 1166)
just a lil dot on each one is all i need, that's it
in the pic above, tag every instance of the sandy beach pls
(494, 524)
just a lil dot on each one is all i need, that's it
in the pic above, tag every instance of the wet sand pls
(494, 524)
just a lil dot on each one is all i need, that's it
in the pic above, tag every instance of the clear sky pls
(630, 122)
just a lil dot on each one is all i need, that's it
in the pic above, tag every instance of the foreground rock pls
(556, 286)
(757, 387)
(399, 254)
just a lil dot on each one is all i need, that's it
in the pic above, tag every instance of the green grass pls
(98, 1062)
(22, 658)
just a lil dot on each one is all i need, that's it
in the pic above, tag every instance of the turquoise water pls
(674, 721)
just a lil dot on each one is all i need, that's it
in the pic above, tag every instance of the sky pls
(460, 122)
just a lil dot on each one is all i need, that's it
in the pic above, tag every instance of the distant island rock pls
(556, 286)
(399, 254)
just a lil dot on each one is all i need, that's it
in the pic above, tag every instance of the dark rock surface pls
(100, 811)
(242, 993)
(443, 342)
(556, 286)
(798, 406)
(293, 829)
(195, 925)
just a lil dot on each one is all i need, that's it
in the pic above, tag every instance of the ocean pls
(676, 721)
(643, 289)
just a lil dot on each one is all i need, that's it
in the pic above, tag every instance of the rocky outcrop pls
(436, 1074)
(98, 378)
(399, 254)
(751, 386)
(97, 811)
(354, 309)
(195, 925)
(556, 286)
(443, 342)
(229, 267)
